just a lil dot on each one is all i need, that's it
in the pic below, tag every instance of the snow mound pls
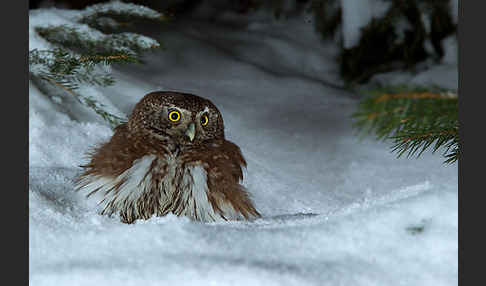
(119, 7)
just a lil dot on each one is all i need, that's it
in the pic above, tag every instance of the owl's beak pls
(191, 131)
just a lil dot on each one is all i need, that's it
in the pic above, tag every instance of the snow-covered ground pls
(336, 210)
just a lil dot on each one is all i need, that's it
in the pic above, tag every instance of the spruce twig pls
(116, 13)
(414, 119)
(112, 119)
(82, 51)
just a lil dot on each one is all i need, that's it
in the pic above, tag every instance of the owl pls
(170, 157)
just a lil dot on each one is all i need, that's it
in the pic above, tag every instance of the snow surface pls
(121, 8)
(336, 210)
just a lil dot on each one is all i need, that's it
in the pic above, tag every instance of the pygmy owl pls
(170, 157)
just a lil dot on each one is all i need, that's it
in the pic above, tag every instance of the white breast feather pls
(195, 194)
(138, 180)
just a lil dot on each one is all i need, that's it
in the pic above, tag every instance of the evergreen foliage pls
(113, 15)
(67, 71)
(383, 46)
(103, 45)
(413, 118)
(81, 54)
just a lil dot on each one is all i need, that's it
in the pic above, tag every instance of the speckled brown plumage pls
(153, 166)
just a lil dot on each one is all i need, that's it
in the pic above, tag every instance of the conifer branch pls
(114, 14)
(83, 50)
(132, 45)
(65, 67)
(112, 119)
(414, 119)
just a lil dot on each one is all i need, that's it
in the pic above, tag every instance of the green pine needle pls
(415, 119)
(80, 56)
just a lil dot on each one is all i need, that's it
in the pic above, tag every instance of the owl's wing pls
(118, 154)
(223, 165)
(111, 158)
(118, 174)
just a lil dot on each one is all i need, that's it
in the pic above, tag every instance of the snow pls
(119, 7)
(56, 17)
(336, 210)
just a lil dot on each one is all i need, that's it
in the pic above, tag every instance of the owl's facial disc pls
(177, 119)
(178, 125)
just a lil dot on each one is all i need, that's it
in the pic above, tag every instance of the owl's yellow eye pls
(174, 116)
(204, 120)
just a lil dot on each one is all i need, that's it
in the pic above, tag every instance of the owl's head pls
(180, 118)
